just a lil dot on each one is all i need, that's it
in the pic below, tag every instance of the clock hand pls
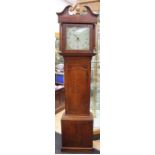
(77, 38)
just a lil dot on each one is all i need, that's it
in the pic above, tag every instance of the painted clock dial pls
(77, 38)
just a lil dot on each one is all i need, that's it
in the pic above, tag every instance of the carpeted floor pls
(58, 146)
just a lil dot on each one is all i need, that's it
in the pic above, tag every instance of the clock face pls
(77, 38)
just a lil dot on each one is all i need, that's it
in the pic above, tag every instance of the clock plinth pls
(77, 133)
(77, 43)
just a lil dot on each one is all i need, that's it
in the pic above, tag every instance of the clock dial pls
(77, 38)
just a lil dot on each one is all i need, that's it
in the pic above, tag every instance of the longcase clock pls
(77, 44)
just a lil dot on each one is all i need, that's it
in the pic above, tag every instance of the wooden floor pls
(96, 143)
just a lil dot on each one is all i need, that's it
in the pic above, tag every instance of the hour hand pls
(77, 38)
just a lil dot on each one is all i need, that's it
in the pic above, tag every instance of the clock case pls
(77, 120)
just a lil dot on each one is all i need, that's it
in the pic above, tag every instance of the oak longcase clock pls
(77, 44)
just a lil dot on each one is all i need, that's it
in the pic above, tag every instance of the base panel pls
(77, 133)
